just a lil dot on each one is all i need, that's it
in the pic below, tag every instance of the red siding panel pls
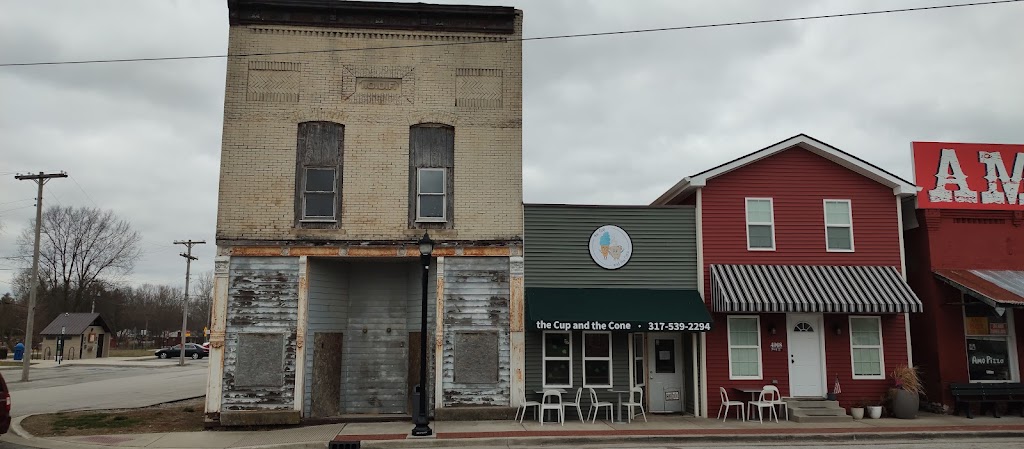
(798, 181)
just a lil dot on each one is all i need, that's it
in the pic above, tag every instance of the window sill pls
(746, 377)
(760, 249)
(312, 220)
(879, 377)
(838, 250)
(431, 220)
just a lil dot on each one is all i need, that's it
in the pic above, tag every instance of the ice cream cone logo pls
(606, 241)
(613, 241)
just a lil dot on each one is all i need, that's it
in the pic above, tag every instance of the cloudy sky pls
(143, 139)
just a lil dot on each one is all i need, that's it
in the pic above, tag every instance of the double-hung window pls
(557, 360)
(318, 193)
(760, 224)
(430, 194)
(744, 347)
(597, 359)
(866, 347)
(838, 225)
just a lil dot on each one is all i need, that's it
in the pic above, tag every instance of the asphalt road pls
(77, 387)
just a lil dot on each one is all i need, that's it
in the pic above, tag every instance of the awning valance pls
(1004, 288)
(615, 309)
(811, 288)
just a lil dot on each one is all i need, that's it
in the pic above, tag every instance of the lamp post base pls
(422, 430)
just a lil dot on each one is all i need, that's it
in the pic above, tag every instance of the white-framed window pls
(636, 354)
(991, 342)
(744, 347)
(597, 359)
(557, 360)
(838, 225)
(760, 224)
(866, 347)
(430, 194)
(318, 193)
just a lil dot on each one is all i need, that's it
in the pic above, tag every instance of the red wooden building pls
(965, 260)
(800, 249)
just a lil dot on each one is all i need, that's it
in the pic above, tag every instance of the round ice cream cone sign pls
(610, 247)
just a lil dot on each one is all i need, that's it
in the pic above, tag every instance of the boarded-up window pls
(318, 174)
(260, 360)
(431, 176)
(476, 357)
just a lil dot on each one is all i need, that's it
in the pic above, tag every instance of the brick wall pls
(475, 88)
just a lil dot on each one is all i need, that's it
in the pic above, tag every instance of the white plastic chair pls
(768, 399)
(595, 406)
(555, 404)
(579, 411)
(635, 403)
(523, 405)
(726, 403)
(778, 400)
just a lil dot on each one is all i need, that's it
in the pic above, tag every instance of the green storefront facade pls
(613, 303)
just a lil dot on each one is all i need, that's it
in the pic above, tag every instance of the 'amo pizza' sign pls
(969, 175)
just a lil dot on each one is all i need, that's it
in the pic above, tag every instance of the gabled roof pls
(689, 184)
(74, 323)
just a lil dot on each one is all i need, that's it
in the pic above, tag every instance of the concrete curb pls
(516, 441)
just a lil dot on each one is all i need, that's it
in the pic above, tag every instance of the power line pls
(525, 39)
(83, 191)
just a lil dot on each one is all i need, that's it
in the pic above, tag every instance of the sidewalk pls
(663, 429)
(143, 361)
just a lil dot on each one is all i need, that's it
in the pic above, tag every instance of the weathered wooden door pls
(325, 394)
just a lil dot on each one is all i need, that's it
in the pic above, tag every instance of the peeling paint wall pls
(476, 299)
(262, 299)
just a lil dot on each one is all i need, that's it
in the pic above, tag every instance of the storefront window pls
(557, 359)
(597, 359)
(638, 360)
(988, 341)
(744, 348)
(866, 347)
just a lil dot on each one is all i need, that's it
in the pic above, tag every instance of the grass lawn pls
(182, 416)
(130, 352)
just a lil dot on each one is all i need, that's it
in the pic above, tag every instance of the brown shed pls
(86, 335)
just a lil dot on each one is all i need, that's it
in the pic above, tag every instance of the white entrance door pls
(665, 364)
(806, 363)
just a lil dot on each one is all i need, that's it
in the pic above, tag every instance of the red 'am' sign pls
(969, 175)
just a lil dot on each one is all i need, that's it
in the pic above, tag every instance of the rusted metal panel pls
(325, 391)
(486, 251)
(476, 298)
(373, 251)
(262, 299)
(443, 252)
(258, 251)
(313, 251)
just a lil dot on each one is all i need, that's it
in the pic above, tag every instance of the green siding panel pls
(664, 246)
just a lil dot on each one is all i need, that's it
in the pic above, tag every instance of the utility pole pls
(184, 307)
(41, 180)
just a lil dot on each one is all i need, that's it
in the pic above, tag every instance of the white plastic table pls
(618, 410)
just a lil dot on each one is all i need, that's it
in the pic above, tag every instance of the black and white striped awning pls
(811, 288)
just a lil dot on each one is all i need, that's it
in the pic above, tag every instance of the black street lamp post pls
(421, 420)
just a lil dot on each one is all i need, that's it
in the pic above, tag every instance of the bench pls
(986, 393)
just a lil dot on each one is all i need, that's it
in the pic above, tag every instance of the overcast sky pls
(606, 120)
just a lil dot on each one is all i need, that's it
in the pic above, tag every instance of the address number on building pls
(678, 326)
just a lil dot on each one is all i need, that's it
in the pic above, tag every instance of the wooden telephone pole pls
(41, 180)
(184, 307)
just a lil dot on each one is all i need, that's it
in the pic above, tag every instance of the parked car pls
(5, 406)
(192, 350)
(206, 346)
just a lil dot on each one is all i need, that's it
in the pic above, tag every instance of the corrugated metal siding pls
(664, 246)
(375, 360)
(476, 298)
(620, 367)
(327, 307)
(262, 298)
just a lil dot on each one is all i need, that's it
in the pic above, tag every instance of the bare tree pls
(200, 302)
(80, 248)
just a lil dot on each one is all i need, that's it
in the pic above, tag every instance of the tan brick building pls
(350, 130)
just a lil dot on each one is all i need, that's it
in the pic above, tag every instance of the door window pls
(664, 356)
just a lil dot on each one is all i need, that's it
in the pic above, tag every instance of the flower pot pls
(905, 404)
(874, 411)
(857, 412)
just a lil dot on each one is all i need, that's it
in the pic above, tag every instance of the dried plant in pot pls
(905, 396)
